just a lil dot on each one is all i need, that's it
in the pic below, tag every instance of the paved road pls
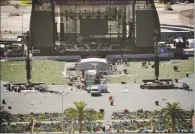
(136, 99)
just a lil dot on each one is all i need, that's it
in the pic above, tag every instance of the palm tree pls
(31, 124)
(5, 116)
(192, 117)
(173, 112)
(80, 113)
(152, 119)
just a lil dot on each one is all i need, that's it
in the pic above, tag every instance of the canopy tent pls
(93, 60)
(98, 64)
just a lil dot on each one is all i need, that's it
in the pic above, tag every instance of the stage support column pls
(124, 22)
(133, 21)
(61, 30)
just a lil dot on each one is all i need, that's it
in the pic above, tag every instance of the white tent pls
(98, 64)
(190, 43)
(93, 60)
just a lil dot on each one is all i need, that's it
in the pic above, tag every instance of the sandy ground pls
(136, 99)
(14, 23)
(174, 17)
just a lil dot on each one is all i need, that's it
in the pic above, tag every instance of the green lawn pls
(135, 71)
(42, 71)
(51, 71)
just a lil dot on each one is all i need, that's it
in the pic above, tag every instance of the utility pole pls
(62, 112)
(190, 24)
(62, 120)
(156, 56)
(22, 23)
(28, 59)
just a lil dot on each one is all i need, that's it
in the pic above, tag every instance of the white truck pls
(102, 88)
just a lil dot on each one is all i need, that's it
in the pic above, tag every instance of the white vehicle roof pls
(2, 46)
(162, 42)
(94, 90)
(191, 43)
(16, 45)
(91, 72)
(19, 39)
(94, 87)
(190, 40)
(178, 40)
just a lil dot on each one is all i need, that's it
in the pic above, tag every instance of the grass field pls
(42, 71)
(137, 72)
(52, 71)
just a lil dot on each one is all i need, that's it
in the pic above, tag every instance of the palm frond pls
(71, 113)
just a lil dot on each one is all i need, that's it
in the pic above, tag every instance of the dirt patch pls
(187, 16)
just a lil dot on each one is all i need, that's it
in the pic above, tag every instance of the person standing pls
(110, 99)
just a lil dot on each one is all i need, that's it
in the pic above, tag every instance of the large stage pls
(80, 26)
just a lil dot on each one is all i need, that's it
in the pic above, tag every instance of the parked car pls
(95, 92)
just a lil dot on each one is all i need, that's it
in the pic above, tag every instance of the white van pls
(102, 88)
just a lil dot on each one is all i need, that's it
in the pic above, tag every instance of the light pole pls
(156, 55)
(190, 24)
(22, 23)
(63, 93)
(28, 59)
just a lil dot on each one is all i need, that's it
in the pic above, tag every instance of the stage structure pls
(94, 27)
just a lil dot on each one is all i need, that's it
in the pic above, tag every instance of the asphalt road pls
(135, 99)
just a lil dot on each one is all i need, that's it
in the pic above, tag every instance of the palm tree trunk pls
(33, 123)
(151, 123)
(193, 122)
(80, 126)
(173, 124)
(72, 123)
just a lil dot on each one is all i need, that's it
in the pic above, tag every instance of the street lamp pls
(22, 23)
(62, 93)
